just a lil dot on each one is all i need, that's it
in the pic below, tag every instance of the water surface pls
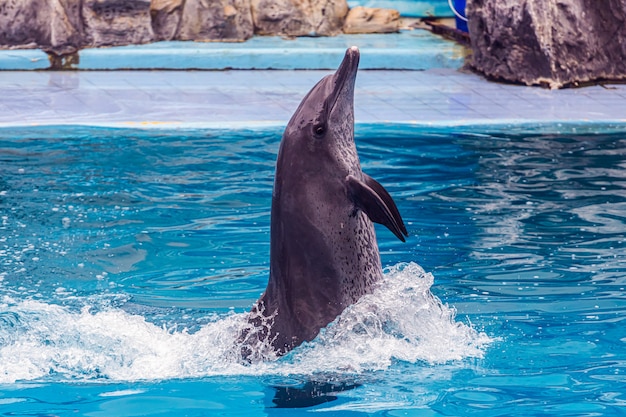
(129, 258)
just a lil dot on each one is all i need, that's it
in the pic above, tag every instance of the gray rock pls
(553, 43)
(166, 16)
(66, 27)
(299, 17)
(216, 20)
(371, 20)
(21, 23)
(116, 22)
(52, 25)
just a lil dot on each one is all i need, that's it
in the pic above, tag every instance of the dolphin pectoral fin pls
(375, 201)
(384, 195)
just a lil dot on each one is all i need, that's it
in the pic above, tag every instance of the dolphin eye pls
(319, 130)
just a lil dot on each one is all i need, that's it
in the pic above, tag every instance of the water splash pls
(401, 321)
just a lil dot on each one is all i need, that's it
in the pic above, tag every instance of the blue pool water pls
(128, 259)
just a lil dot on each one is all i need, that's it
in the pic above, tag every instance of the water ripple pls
(525, 235)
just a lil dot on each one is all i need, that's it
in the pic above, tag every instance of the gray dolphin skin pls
(324, 254)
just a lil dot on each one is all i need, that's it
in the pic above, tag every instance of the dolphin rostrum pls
(324, 254)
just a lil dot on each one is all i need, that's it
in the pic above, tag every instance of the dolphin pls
(323, 250)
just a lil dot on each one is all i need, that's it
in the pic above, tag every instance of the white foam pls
(122, 393)
(401, 321)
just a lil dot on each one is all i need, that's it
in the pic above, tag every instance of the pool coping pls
(416, 49)
(391, 128)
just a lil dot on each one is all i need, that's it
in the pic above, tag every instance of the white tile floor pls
(253, 98)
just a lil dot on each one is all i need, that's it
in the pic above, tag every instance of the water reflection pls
(553, 180)
(307, 394)
(546, 210)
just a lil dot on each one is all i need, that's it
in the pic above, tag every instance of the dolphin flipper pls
(375, 201)
(380, 190)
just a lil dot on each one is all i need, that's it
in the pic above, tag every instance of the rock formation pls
(165, 18)
(299, 17)
(554, 43)
(15, 27)
(371, 20)
(52, 25)
(63, 27)
(66, 27)
(116, 22)
(216, 20)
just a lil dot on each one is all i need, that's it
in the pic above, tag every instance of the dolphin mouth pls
(345, 74)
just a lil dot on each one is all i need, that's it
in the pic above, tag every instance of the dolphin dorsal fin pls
(372, 198)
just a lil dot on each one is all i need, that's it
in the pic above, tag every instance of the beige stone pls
(216, 20)
(165, 16)
(372, 20)
(299, 17)
(167, 6)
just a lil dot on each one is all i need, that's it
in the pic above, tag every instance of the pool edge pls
(361, 128)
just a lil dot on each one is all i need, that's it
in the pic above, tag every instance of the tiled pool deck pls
(441, 95)
(254, 98)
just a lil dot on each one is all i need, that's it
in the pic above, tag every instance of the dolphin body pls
(324, 254)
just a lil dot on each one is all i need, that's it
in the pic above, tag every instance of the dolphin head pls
(324, 121)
